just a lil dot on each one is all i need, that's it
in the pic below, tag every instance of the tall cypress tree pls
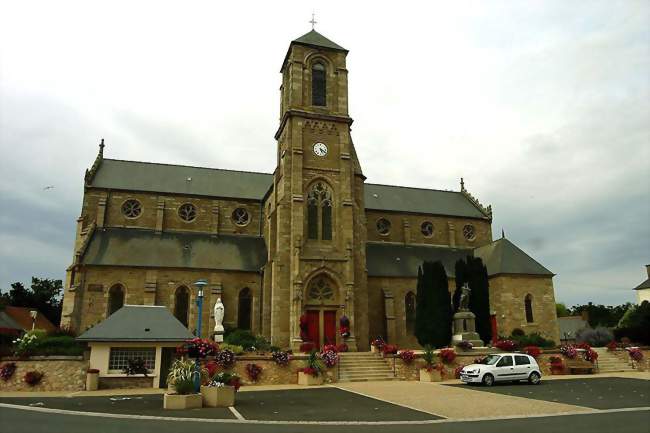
(479, 301)
(420, 310)
(442, 314)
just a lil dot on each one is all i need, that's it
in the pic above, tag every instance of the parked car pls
(503, 367)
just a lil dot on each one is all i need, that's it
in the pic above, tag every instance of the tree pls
(601, 315)
(561, 310)
(43, 295)
(479, 301)
(433, 309)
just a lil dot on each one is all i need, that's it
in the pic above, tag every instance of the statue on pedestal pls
(465, 291)
(218, 321)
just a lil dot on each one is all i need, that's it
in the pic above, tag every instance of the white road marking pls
(250, 421)
(236, 413)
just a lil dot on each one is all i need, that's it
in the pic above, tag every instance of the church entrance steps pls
(610, 363)
(363, 366)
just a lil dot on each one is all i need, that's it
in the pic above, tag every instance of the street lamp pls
(200, 284)
(33, 314)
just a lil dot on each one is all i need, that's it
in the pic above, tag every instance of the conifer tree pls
(479, 300)
(433, 309)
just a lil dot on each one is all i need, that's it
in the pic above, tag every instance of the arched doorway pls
(244, 309)
(182, 304)
(321, 308)
(115, 299)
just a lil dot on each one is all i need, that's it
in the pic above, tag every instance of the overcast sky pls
(543, 108)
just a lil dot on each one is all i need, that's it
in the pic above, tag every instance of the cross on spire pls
(313, 21)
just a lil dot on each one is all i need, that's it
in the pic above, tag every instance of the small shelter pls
(149, 332)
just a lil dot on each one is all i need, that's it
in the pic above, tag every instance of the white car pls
(503, 367)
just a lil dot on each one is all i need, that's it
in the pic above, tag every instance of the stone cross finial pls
(462, 184)
(313, 21)
(101, 148)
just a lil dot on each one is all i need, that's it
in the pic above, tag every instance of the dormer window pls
(318, 85)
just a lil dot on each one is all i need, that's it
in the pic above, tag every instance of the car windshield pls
(491, 359)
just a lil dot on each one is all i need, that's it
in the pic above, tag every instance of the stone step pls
(367, 377)
(360, 371)
(359, 363)
(363, 379)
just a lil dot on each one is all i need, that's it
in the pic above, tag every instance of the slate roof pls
(138, 323)
(384, 259)
(570, 325)
(145, 248)
(504, 257)
(419, 200)
(315, 39)
(166, 178)
(643, 285)
(6, 322)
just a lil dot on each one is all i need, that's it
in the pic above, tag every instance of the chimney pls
(647, 269)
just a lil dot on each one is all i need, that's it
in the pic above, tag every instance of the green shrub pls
(533, 339)
(241, 337)
(237, 350)
(262, 344)
(58, 345)
(184, 386)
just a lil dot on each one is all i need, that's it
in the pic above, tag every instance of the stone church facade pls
(312, 238)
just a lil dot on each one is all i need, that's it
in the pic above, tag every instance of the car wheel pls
(534, 378)
(488, 380)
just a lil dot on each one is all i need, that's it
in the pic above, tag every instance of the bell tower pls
(316, 217)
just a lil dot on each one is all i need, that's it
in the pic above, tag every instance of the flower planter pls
(373, 349)
(178, 401)
(430, 376)
(92, 381)
(308, 379)
(218, 396)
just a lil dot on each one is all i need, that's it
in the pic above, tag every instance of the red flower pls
(533, 351)
(310, 371)
(253, 371)
(389, 349)
(447, 355)
(612, 345)
(506, 345)
(407, 356)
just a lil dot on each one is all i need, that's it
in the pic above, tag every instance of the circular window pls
(187, 212)
(383, 226)
(427, 229)
(131, 208)
(468, 232)
(241, 217)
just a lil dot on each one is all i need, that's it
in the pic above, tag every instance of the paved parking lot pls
(596, 393)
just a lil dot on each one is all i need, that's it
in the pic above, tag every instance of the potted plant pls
(377, 345)
(181, 380)
(220, 390)
(92, 379)
(311, 374)
(431, 371)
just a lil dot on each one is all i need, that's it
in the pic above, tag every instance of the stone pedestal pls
(218, 337)
(465, 328)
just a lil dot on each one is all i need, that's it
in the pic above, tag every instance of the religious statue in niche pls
(218, 320)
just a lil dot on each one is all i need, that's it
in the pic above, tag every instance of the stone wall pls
(273, 374)
(125, 382)
(61, 373)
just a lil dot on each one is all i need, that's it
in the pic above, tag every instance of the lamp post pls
(33, 314)
(200, 284)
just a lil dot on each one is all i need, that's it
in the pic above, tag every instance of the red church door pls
(329, 322)
(495, 331)
(313, 327)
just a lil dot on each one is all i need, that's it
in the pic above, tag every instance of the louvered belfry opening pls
(318, 85)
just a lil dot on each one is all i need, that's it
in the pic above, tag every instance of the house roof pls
(22, 316)
(643, 285)
(384, 259)
(315, 39)
(419, 200)
(138, 323)
(504, 257)
(6, 322)
(173, 179)
(145, 248)
(571, 324)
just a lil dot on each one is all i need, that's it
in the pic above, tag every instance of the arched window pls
(244, 310)
(182, 304)
(528, 305)
(318, 85)
(409, 307)
(319, 212)
(115, 298)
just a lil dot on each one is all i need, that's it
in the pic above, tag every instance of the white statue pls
(218, 320)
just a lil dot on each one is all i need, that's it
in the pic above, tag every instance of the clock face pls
(320, 149)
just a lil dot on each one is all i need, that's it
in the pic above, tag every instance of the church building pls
(312, 239)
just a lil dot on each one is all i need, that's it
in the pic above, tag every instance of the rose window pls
(187, 212)
(383, 226)
(131, 208)
(468, 232)
(320, 290)
(427, 228)
(241, 217)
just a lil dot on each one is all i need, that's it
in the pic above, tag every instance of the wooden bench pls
(579, 365)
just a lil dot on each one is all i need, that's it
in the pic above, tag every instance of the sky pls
(543, 108)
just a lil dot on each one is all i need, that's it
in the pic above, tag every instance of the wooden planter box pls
(430, 376)
(178, 401)
(92, 381)
(309, 380)
(218, 396)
